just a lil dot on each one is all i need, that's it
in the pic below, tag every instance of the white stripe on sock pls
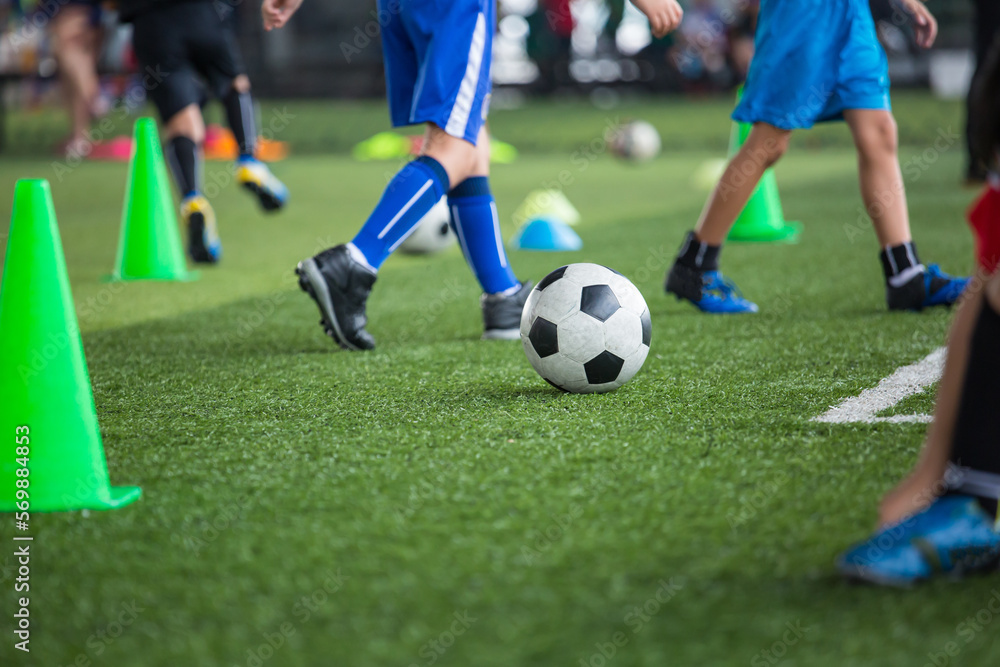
(461, 235)
(906, 276)
(402, 211)
(973, 482)
(496, 235)
(892, 260)
(702, 247)
(249, 131)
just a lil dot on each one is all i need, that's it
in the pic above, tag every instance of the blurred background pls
(592, 54)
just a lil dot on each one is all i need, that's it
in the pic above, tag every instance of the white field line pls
(905, 382)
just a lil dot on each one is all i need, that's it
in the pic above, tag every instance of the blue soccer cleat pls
(942, 289)
(954, 535)
(932, 287)
(709, 291)
(254, 175)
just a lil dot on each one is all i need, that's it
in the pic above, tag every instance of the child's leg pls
(765, 145)
(693, 275)
(476, 223)
(411, 194)
(239, 115)
(252, 174)
(909, 285)
(966, 428)
(185, 155)
(925, 483)
(185, 137)
(882, 188)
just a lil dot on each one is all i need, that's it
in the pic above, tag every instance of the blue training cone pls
(547, 234)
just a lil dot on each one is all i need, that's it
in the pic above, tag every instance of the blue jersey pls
(437, 62)
(813, 60)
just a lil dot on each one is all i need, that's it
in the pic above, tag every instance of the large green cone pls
(44, 384)
(762, 219)
(149, 247)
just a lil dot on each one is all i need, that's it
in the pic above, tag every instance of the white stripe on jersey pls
(459, 118)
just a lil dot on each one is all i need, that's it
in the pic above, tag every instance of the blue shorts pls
(813, 60)
(438, 55)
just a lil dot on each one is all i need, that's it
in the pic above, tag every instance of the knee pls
(878, 137)
(768, 150)
(187, 123)
(458, 157)
(241, 84)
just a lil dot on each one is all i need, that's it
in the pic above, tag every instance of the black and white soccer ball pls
(586, 329)
(636, 141)
(433, 232)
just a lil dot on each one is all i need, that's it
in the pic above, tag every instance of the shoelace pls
(724, 285)
(934, 271)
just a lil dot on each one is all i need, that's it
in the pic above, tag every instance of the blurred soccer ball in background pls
(433, 232)
(636, 141)
(586, 329)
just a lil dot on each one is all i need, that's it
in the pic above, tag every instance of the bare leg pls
(765, 145)
(459, 158)
(76, 55)
(881, 180)
(926, 481)
(187, 122)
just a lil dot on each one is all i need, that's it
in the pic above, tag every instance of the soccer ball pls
(433, 232)
(636, 141)
(585, 329)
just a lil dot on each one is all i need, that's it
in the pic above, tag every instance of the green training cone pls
(46, 404)
(762, 220)
(149, 246)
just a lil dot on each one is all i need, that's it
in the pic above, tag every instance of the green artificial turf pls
(436, 502)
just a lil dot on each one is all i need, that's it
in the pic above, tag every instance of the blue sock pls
(474, 219)
(409, 196)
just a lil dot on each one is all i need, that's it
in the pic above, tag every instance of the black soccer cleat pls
(708, 291)
(929, 288)
(502, 313)
(340, 287)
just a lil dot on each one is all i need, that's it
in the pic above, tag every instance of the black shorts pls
(185, 50)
